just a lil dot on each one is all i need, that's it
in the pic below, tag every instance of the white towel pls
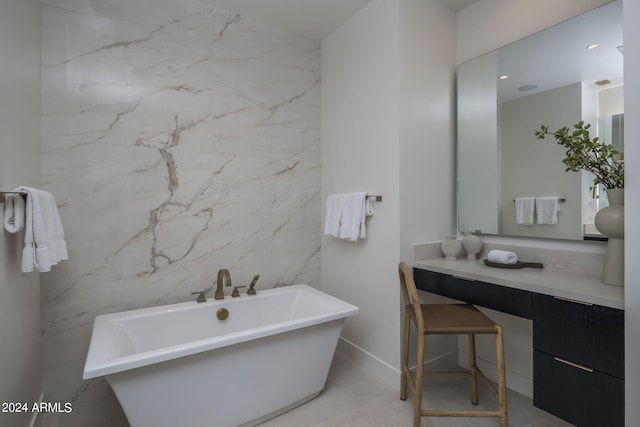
(14, 211)
(352, 216)
(502, 257)
(44, 229)
(332, 215)
(345, 215)
(524, 210)
(547, 210)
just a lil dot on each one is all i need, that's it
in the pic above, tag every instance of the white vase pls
(451, 248)
(472, 245)
(610, 222)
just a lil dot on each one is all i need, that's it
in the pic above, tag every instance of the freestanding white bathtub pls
(179, 365)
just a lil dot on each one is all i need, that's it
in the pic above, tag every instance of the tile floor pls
(351, 398)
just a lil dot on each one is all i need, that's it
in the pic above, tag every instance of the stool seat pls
(454, 319)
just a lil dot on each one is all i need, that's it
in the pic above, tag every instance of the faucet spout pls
(252, 289)
(224, 279)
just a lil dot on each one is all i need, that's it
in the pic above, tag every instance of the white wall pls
(427, 171)
(631, 10)
(20, 349)
(427, 122)
(387, 128)
(360, 122)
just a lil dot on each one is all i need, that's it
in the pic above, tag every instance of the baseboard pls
(377, 367)
(369, 363)
(515, 381)
(34, 414)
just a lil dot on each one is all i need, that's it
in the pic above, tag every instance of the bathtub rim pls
(93, 369)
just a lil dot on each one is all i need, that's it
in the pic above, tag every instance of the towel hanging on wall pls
(524, 210)
(547, 210)
(44, 243)
(346, 214)
(332, 215)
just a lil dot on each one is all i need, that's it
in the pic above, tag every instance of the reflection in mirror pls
(549, 78)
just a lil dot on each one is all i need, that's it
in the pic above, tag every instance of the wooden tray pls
(519, 264)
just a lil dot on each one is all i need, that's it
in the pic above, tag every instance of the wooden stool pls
(431, 319)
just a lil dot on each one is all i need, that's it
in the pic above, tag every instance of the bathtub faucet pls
(252, 286)
(224, 279)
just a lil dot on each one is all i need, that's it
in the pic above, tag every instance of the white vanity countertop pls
(543, 281)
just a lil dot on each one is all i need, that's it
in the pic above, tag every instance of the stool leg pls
(502, 381)
(473, 369)
(405, 357)
(417, 395)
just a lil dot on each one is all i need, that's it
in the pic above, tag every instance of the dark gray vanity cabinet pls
(578, 348)
(578, 363)
(495, 297)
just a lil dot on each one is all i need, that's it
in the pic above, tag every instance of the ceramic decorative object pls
(472, 245)
(610, 222)
(451, 248)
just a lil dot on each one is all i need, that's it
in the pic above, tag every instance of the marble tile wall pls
(178, 139)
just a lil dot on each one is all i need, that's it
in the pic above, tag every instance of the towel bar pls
(4, 194)
(378, 198)
(560, 200)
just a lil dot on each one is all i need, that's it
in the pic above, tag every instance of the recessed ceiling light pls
(504, 77)
(593, 46)
(526, 88)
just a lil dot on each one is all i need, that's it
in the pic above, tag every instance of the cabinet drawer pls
(583, 398)
(496, 297)
(590, 335)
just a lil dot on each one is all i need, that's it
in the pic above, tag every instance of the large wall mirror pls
(557, 77)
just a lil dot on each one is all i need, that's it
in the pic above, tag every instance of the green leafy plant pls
(582, 152)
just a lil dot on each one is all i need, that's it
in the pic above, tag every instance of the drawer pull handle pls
(575, 365)
(574, 301)
(463, 278)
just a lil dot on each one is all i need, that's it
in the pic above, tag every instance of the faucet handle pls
(252, 285)
(236, 292)
(201, 297)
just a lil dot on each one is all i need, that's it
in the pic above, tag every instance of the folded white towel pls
(352, 216)
(367, 211)
(332, 215)
(524, 210)
(345, 215)
(14, 211)
(502, 257)
(44, 229)
(547, 210)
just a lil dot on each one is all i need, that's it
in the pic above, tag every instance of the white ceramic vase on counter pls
(451, 248)
(610, 222)
(472, 245)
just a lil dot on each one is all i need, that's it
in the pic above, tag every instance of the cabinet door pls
(581, 397)
(589, 335)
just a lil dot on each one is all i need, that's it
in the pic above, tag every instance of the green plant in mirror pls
(582, 152)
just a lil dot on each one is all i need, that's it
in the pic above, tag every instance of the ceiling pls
(558, 56)
(311, 18)
(457, 5)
